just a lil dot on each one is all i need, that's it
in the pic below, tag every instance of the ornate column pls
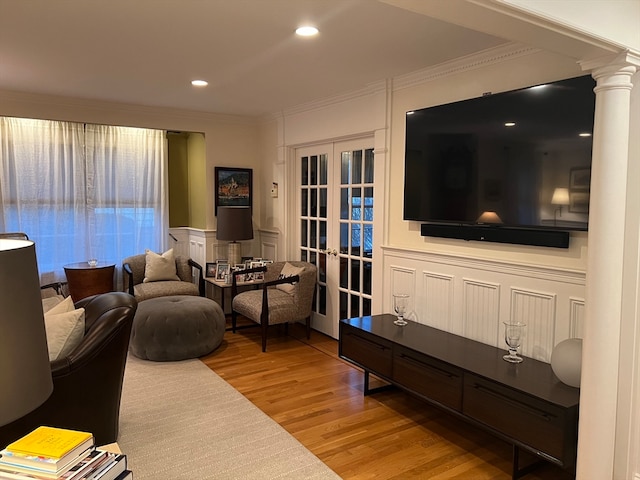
(605, 260)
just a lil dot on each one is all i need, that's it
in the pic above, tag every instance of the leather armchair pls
(87, 384)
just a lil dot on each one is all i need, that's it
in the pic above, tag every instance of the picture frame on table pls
(222, 273)
(257, 275)
(211, 268)
(233, 187)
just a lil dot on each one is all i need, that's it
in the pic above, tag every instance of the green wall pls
(187, 180)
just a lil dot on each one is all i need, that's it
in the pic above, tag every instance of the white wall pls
(616, 20)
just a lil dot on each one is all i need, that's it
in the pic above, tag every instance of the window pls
(82, 191)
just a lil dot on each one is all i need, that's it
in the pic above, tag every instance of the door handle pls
(331, 251)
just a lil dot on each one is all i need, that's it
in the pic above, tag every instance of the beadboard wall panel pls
(472, 297)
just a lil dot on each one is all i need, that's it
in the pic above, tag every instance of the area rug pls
(181, 421)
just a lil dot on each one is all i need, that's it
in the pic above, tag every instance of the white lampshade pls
(560, 196)
(25, 372)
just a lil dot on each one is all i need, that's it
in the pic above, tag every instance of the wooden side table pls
(85, 280)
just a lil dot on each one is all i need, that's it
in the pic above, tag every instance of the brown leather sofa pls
(87, 384)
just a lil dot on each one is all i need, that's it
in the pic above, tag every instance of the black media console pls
(525, 404)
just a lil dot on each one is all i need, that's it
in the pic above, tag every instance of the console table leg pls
(521, 472)
(369, 391)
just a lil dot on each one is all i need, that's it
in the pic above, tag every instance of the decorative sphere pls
(566, 361)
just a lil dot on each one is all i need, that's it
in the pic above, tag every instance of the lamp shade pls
(25, 371)
(234, 223)
(489, 217)
(560, 196)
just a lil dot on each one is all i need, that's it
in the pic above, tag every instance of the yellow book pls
(49, 442)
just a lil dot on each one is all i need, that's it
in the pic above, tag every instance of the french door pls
(335, 216)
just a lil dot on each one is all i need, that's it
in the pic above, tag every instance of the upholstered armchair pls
(285, 296)
(87, 381)
(143, 284)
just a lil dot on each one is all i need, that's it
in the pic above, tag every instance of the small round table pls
(85, 280)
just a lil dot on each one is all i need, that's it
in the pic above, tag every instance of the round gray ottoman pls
(176, 328)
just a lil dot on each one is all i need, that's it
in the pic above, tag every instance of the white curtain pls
(82, 191)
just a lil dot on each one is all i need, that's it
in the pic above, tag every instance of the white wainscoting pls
(472, 297)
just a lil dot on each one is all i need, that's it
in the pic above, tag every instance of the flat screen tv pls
(517, 159)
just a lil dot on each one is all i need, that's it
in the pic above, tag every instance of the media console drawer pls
(531, 421)
(369, 351)
(435, 380)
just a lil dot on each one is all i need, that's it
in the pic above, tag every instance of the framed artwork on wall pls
(233, 187)
(580, 178)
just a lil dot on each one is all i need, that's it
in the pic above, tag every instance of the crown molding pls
(56, 101)
(483, 59)
(371, 89)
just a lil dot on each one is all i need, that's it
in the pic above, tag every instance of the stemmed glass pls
(400, 301)
(513, 332)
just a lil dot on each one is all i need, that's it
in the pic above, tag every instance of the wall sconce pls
(560, 197)
(489, 217)
(25, 375)
(234, 223)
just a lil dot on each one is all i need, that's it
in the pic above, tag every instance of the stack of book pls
(50, 453)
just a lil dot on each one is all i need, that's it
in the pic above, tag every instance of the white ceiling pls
(146, 52)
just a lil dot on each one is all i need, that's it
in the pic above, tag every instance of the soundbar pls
(499, 234)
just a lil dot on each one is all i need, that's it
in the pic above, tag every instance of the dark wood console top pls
(531, 376)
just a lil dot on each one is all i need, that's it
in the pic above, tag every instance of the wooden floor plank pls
(317, 397)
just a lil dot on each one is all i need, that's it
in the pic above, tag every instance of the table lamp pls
(489, 217)
(560, 197)
(234, 223)
(25, 375)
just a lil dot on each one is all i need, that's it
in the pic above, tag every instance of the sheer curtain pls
(82, 191)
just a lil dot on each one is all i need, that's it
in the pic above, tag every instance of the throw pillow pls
(289, 271)
(64, 325)
(50, 302)
(160, 267)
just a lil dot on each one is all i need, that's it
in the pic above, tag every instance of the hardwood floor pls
(317, 398)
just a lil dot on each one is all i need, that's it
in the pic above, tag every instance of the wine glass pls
(513, 332)
(400, 301)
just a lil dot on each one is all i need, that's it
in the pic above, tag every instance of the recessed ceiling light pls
(199, 83)
(307, 31)
(510, 124)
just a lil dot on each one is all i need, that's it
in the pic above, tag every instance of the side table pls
(221, 286)
(85, 280)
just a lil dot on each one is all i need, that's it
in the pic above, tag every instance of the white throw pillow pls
(160, 267)
(289, 271)
(50, 302)
(64, 325)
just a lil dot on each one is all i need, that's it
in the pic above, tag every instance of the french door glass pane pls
(356, 167)
(313, 167)
(304, 201)
(303, 233)
(344, 167)
(368, 165)
(324, 169)
(313, 238)
(304, 180)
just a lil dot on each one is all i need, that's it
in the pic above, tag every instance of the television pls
(519, 159)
